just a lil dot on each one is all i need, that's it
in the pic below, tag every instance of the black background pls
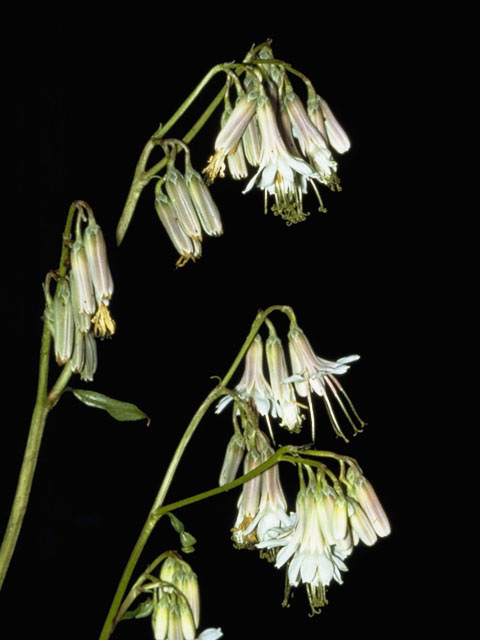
(91, 89)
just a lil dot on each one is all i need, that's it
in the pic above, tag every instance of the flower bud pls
(91, 360)
(63, 325)
(252, 143)
(96, 251)
(340, 518)
(364, 493)
(160, 617)
(204, 205)
(336, 136)
(77, 360)
(180, 574)
(325, 508)
(360, 523)
(186, 620)
(182, 243)
(237, 164)
(82, 319)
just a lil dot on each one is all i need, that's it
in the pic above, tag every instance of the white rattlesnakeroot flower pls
(272, 509)
(262, 504)
(311, 559)
(253, 385)
(247, 504)
(312, 373)
(230, 134)
(323, 532)
(79, 309)
(96, 250)
(311, 141)
(280, 173)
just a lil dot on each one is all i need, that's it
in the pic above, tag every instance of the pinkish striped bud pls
(233, 457)
(363, 491)
(205, 206)
(182, 204)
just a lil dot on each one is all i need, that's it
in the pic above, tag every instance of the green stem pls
(161, 511)
(43, 404)
(153, 516)
(142, 177)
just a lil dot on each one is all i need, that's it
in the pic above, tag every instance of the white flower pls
(253, 385)
(312, 560)
(272, 508)
(280, 173)
(230, 135)
(283, 392)
(312, 373)
(211, 634)
(312, 143)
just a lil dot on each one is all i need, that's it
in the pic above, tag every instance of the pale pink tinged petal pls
(336, 135)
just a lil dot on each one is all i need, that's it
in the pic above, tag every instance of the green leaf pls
(122, 411)
(142, 611)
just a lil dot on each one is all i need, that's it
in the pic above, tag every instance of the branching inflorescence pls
(272, 139)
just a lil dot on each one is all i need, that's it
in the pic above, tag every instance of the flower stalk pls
(44, 402)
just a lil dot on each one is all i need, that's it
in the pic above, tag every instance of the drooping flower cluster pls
(187, 209)
(78, 312)
(176, 608)
(327, 524)
(270, 129)
(276, 397)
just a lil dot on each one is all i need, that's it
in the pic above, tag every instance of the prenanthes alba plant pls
(285, 146)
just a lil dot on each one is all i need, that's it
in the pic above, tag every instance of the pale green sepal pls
(121, 411)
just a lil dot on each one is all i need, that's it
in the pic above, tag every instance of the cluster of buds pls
(176, 608)
(328, 522)
(78, 312)
(186, 207)
(276, 397)
(287, 143)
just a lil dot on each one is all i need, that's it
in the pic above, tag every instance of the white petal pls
(211, 634)
(285, 554)
(223, 403)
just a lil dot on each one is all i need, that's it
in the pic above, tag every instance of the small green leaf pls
(122, 411)
(177, 525)
(143, 610)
